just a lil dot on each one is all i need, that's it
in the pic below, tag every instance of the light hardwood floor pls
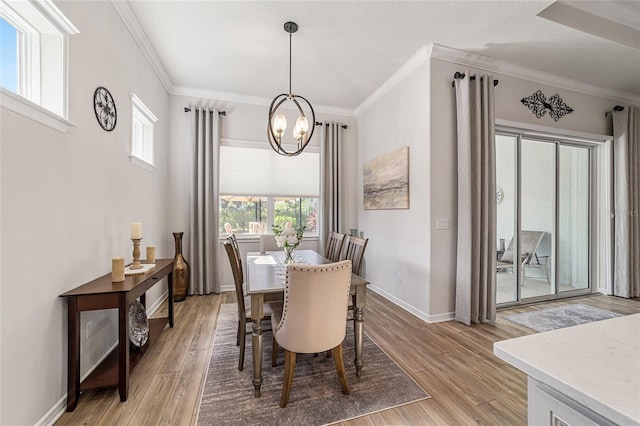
(454, 363)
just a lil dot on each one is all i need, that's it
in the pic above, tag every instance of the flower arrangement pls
(288, 238)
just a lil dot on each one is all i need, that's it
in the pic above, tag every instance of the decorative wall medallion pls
(105, 109)
(538, 104)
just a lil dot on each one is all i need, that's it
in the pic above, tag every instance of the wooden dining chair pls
(313, 317)
(353, 249)
(334, 246)
(244, 315)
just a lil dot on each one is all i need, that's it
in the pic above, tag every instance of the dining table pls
(266, 272)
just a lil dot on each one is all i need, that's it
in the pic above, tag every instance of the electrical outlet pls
(399, 277)
(89, 329)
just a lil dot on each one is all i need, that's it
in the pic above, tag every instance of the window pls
(9, 52)
(34, 61)
(259, 188)
(142, 121)
(255, 215)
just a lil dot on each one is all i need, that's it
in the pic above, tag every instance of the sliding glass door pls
(543, 214)
(573, 214)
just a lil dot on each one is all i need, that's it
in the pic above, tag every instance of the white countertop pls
(596, 364)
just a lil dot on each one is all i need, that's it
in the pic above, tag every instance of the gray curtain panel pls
(476, 255)
(626, 168)
(330, 181)
(203, 214)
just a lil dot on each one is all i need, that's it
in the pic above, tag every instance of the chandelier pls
(278, 121)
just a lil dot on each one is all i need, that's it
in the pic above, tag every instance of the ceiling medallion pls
(277, 124)
(538, 104)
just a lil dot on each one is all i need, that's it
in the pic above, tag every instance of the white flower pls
(281, 240)
(292, 239)
(289, 231)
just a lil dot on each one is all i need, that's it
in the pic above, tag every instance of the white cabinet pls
(550, 407)
(588, 374)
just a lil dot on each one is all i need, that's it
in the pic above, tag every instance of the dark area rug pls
(316, 397)
(560, 317)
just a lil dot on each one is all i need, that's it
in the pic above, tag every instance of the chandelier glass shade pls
(277, 125)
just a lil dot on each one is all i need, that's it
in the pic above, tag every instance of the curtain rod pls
(460, 75)
(188, 109)
(319, 123)
(615, 108)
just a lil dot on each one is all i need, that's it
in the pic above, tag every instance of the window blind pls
(259, 171)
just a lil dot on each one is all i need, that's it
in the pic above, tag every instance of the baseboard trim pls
(412, 309)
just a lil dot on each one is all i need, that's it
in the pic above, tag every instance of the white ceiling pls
(345, 50)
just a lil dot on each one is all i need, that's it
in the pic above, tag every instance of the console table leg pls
(123, 347)
(73, 355)
(170, 298)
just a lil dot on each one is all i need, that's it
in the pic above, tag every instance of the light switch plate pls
(442, 223)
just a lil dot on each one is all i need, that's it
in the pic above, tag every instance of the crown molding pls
(473, 60)
(250, 100)
(131, 22)
(418, 58)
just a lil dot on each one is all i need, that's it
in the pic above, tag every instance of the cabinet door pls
(550, 407)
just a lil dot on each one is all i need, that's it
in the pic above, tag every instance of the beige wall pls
(67, 204)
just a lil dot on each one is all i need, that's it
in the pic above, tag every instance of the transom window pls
(35, 38)
(142, 122)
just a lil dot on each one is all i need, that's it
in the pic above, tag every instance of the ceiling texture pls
(345, 50)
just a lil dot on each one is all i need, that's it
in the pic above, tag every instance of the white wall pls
(67, 204)
(399, 239)
(244, 122)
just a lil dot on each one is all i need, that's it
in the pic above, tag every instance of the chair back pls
(334, 246)
(268, 243)
(529, 244)
(238, 276)
(315, 307)
(353, 249)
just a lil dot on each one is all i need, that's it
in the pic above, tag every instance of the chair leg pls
(274, 352)
(289, 367)
(337, 359)
(243, 342)
(238, 334)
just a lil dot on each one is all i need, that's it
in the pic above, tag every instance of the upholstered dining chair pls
(313, 317)
(334, 246)
(244, 315)
(353, 249)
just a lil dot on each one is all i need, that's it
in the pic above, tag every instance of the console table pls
(101, 293)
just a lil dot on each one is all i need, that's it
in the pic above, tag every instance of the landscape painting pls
(386, 181)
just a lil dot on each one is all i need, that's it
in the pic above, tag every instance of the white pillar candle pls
(151, 254)
(136, 230)
(117, 269)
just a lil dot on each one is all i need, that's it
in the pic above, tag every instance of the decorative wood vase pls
(180, 271)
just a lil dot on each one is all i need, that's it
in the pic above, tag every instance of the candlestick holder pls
(136, 254)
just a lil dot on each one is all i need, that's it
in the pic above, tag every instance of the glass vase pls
(288, 251)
